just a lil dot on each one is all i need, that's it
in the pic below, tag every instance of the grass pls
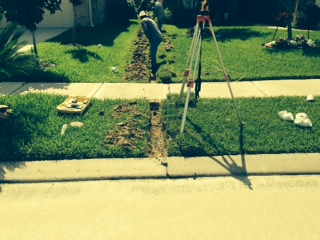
(241, 48)
(243, 55)
(212, 127)
(88, 62)
(33, 132)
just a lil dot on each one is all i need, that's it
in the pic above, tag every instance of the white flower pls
(293, 43)
(310, 43)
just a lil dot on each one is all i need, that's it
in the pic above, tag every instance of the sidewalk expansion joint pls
(253, 83)
(95, 92)
(22, 85)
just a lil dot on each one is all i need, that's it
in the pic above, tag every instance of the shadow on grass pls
(229, 34)
(104, 34)
(11, 132)
(312, 52)
(237, 171)
(83, 55)
(42, 74)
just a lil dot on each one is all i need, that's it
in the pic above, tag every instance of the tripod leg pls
(195, 40)
(185, 111)
(199, 80)
(197, 49)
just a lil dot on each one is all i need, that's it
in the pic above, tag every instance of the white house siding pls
(61, 19)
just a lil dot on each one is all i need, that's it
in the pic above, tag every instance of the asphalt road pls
(277, 207)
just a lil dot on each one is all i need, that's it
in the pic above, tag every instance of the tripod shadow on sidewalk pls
(236, 170)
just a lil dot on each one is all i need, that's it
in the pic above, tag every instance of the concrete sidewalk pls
(158, 92)
(172, 167)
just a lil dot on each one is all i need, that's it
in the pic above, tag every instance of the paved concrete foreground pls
(223, 208)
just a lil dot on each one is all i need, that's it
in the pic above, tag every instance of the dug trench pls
(126, 133)
(158, 138)
(139, 68)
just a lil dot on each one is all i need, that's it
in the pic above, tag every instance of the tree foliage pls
(308, 17)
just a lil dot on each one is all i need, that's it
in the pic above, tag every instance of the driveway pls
(42, 34)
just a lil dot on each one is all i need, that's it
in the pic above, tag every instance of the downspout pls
(91, 13)
(296, 11)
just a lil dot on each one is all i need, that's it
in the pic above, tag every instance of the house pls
(93, 12)
(89, 13)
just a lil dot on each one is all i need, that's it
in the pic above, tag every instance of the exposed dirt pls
(158, 140)
(126, 133)
(138, 69)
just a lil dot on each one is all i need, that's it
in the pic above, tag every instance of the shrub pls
(169, 17)
(120, 11)
(298, 42)
(308, 18)
(13, 62)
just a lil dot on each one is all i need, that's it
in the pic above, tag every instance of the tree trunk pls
(34, 43)
(296, 11)
(74, 29)
(290, 26)
(289, 31)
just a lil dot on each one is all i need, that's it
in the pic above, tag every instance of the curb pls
(83, 170)
(264, 164)
(172, 167)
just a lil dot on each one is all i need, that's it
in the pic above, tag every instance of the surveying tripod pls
(193, 65)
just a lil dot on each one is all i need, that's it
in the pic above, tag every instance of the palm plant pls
(12, 60)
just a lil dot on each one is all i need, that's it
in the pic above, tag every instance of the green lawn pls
(33, 132)
(241, 47)
(212, 128)
(101, 49)
(243, 55)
